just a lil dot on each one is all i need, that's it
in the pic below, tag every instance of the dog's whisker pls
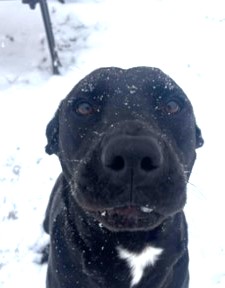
(197, 190)
(75, 160)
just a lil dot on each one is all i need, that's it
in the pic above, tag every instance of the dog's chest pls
(138, 262)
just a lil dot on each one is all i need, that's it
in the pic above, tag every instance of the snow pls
(183, 38)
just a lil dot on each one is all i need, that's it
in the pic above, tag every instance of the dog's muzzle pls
(130, 160)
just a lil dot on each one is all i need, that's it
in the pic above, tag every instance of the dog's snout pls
(141, 154)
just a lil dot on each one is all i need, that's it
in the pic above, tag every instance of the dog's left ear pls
(52, 134)
(199, 139)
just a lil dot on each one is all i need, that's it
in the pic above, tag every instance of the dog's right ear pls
(52, 134)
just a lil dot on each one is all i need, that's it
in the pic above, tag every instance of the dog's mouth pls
(128, 218)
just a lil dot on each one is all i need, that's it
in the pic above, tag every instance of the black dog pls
(126, 141)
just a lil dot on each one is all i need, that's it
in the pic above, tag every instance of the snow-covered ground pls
(185, 38)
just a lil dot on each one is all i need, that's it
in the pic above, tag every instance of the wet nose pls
(140, 154)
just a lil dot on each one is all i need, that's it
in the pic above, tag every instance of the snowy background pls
(184, 38)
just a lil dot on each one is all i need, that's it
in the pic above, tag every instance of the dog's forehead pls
(134, 81)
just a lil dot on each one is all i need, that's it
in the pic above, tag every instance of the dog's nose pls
(140, 154)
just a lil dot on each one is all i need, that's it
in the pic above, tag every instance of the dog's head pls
(126, 141)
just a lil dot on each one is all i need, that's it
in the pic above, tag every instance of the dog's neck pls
(105, 253)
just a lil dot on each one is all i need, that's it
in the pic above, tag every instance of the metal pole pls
(50, 37)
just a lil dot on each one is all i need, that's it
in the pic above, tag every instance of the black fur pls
(126, 141)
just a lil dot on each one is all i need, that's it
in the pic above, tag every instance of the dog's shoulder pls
(56, 203)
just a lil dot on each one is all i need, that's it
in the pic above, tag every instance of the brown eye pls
(84, 109)
(172, 107)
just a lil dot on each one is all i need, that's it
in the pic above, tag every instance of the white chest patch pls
(137, 262)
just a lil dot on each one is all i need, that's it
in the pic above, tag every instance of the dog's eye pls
(84, 109)
(171, 107)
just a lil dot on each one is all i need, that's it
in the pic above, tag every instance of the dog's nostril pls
(117, 163)
(147, 164)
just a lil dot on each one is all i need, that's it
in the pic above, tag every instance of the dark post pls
(50, 36)
(48, 29)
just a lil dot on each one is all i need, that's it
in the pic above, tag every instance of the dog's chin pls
(127, 218)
